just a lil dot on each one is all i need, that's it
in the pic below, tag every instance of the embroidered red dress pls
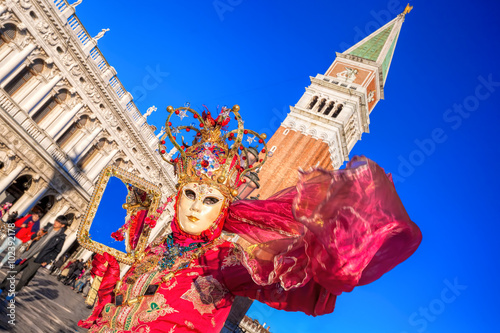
(296, 251)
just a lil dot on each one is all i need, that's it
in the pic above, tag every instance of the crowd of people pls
(75, 274)
(30, 246)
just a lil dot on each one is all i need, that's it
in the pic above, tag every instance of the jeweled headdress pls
(217, 155)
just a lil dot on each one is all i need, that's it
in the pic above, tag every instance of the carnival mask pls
(199, 207)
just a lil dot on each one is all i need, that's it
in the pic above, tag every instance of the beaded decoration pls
(174, 251)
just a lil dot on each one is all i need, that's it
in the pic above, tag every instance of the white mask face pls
(199, 207)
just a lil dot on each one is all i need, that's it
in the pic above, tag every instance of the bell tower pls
(333, 113)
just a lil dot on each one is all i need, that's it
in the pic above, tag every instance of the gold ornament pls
(210, 159)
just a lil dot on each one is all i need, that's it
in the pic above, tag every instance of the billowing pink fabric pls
(339, 229)
(301, 248)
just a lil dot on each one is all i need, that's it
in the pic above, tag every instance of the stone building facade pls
(64, 116)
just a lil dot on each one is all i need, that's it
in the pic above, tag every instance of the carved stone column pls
(62, 120)
(14, 62)
(101, 162)
(33, 100)
(86, 255)
(11, 176)
(83, 145)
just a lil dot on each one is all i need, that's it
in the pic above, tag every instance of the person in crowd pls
(82, 281)
(86, 287)
(25, 227)
(39, 255)
(12, 217)
(4, 209)
(56, 268)
(78, 268)
(65, 270)
(36, 237)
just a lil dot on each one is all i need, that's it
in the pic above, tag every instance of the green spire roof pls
(388, 57)
(372, 46)
(378, 48)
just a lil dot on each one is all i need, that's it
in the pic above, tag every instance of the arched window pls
(24, 76)
(70, 132)
(7, 34)
(84, 161)
(329, 107)
(50, 105)
(313, 102)
(321, 105)
(337, 111)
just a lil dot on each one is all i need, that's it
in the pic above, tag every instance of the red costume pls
(306, 245)
(296, 251)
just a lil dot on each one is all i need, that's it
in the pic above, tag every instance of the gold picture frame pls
(83, 235)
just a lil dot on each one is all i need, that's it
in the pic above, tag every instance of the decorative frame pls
(83, 235)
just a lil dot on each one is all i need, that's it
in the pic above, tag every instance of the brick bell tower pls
(328, 120)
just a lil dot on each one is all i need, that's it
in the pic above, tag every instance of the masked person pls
(296, 251)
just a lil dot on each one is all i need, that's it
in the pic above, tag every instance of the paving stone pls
(45, 305)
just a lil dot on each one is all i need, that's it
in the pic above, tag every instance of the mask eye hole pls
(210, 201)
(190, 194)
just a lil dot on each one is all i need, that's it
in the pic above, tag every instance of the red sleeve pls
(20, 221)
(312, 298)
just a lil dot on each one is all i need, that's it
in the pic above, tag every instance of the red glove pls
(110, 276)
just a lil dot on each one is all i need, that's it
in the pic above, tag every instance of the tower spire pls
(334, 111)
(377, 49)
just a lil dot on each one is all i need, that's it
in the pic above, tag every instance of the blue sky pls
(260, 54)
(110, 205)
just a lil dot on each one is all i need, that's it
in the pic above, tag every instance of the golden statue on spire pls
(407, 9)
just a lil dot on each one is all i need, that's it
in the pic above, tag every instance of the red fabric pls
(297, 251)
(137, 227)
(199, 299)
(67, 265)
(110, 276)
(24, 234)
(341, 229)
(19, 222)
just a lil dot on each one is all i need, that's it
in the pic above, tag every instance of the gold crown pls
(210, 159)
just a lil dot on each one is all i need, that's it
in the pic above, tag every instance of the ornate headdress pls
(217, 156)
